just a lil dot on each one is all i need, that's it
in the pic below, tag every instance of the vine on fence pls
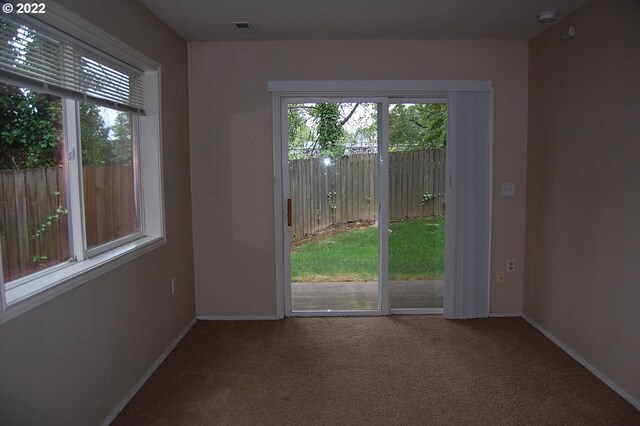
(331, 199)
(427, 197)
(51, 220)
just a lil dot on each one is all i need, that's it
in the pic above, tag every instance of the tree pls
(30, 129)
(31, 132)
(322, 125)
(298, 132)
(330, 132)
(417, 126)
(94, 136)
(121, 142)
(31, 123)
(361, 133)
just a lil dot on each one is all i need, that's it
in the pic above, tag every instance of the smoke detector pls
(547, 17)
(244, 27)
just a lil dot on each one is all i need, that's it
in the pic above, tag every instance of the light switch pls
(508, 189)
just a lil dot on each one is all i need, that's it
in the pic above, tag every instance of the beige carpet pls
(399, 370)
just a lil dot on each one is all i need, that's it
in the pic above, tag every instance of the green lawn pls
(416, 251)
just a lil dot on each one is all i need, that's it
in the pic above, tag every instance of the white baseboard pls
(585, 364)
(237, 317)
(118, 408)
(505, 314)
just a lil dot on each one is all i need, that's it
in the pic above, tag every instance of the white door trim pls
(279, 203)
(387, 88)
(383, 201)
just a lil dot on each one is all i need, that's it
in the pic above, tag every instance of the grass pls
(416, 251)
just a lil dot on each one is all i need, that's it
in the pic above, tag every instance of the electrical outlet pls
(508, 189)
(173, 285)
(500, 277)
(511, 265)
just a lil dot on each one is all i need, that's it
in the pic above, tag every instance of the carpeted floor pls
(397, 370)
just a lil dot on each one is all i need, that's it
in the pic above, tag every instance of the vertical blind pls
(466, 294)
(35, 56)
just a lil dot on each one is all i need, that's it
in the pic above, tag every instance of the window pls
(79, 144)
(34, 221)
(108, 174)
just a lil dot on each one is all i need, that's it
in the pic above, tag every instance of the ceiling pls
(210, 20)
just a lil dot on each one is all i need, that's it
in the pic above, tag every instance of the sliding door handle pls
(289, 219)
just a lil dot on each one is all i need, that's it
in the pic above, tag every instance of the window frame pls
(84, 251)
(26, 293)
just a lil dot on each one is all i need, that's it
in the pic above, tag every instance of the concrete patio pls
(347, 296)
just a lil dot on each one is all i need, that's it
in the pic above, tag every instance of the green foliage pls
(94, 136)
(30, 129)
(46, 226)
(51, 219)
(40, 260)
(426, 198)
(416, 251)
(121, 143)
(31, 133)
(417, 126)
(98, 148)
(318, 129)
(330, 133)
(362, 130)
(30, 123)
(411, 127)
(331, 199)
(298, 131)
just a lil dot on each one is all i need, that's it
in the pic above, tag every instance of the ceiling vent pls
(244, 27)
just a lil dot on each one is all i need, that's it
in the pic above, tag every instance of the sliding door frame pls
(443, 98)
(381, 190)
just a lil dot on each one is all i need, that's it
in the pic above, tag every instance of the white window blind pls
(33, 55)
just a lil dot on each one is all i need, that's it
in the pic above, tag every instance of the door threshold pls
(416, 311)
(336, 313)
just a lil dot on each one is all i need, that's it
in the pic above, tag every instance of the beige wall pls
(583, 202)
(232, 161)
(72, 360)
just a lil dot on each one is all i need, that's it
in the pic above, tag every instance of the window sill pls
(31, 294)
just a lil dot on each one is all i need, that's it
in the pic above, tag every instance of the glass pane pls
(33, 189)
(334, 231)
(417, 141)
(107, 141)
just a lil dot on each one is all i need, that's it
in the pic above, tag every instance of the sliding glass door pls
(364, 184)
(417, 155)
(332, 150)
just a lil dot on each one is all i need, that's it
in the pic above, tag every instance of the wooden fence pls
(345, 191)
(31, 198)
(109, 203)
